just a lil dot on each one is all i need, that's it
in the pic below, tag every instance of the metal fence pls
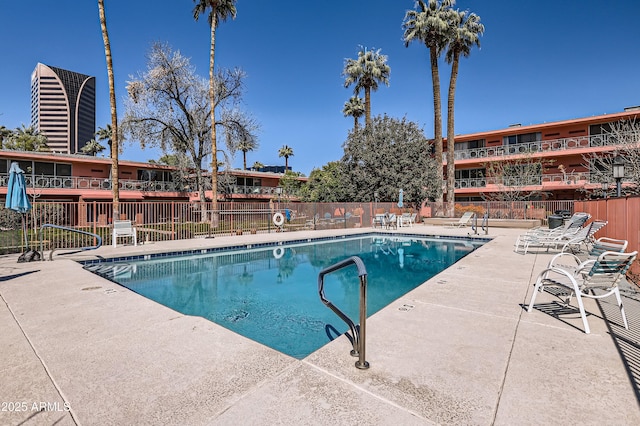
(173, 220)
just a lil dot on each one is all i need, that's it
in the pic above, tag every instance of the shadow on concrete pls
(10, 277)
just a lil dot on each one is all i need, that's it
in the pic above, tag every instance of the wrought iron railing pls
(93, 183)
(538, 146)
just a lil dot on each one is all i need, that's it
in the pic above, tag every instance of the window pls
(523, 138)
(478, 143)
(470, 174)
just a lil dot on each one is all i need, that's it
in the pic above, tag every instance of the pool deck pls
(459, 349)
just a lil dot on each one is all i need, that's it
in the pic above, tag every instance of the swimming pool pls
(270, 294)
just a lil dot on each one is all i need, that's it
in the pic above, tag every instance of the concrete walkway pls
(460, 349)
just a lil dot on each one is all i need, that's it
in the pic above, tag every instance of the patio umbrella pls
(17, 198)
(400, 204)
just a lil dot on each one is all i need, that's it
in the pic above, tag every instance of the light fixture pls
(605, 187)
(618, 173)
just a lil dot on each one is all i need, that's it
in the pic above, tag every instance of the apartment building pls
(542, 161)
(63, 107)
(71, 177)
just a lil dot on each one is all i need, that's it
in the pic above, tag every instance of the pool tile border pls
(250, 246)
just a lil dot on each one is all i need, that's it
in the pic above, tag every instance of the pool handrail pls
(48, 225)
(358, 331)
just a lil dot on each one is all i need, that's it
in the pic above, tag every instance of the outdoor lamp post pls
(605, 187)
(375, 199)
(618, 173)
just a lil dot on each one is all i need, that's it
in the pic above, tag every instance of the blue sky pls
(539, 61)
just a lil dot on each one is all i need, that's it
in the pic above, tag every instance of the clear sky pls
(539, 61)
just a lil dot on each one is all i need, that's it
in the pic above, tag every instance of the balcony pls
(90, 183)
(539, 146)
(557, 178)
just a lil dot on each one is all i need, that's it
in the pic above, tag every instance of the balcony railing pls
(557, 178)
(539, 146)
(91, 183)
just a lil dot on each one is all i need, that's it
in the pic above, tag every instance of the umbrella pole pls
(24, 232)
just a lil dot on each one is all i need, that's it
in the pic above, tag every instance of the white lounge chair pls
(463, 221)
(571, 239)
(602, 274)
(407, 219)
(124, 228)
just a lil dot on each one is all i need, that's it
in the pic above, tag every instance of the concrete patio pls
(459, 349)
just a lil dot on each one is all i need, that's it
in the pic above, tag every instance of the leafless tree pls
(625, 136)
(168, 106)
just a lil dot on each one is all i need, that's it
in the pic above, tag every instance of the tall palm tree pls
(286, 152)
(466, 33)
(429, 24)
(220, 10)
(249, 143)
(369, 69)
(115, 147)
(354, 108)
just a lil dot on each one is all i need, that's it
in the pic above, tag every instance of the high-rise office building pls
(63, 107)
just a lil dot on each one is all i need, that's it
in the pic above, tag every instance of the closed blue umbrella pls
(400, 204)
(17, 198)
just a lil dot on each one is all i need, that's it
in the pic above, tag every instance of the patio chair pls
(602, 274)
(392, 221)
(571, 262)
(584, 236)
(124, 228)
(575, 221)
(407, 219)
(551, 240)
(463, 221)
(379, 220)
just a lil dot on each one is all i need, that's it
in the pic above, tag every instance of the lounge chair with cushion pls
(463, 221)
(602, 275)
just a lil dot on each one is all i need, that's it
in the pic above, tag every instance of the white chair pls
(602, 274)
(407, 219)
(463, 221)
(124, 228)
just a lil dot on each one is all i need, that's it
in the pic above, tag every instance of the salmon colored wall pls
(623, 216)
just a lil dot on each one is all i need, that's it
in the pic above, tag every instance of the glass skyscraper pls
(63, 107)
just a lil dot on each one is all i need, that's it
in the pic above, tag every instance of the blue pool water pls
(270, 294)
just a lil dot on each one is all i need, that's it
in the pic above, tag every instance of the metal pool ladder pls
(358, 331)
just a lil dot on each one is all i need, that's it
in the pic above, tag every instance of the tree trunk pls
(437, 122)
(212, 99)
(115, 145)
(367, 107)
(451, 167)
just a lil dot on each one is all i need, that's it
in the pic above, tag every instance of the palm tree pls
(354, 108)
(115, 187)
(27, 139)
(249, 143)
(466, 33)
(430, 25)
(92, 147)
(104, 134)
(369, 69)
(286, 152)
(257, 166)
(4, 134)
(221, 10)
